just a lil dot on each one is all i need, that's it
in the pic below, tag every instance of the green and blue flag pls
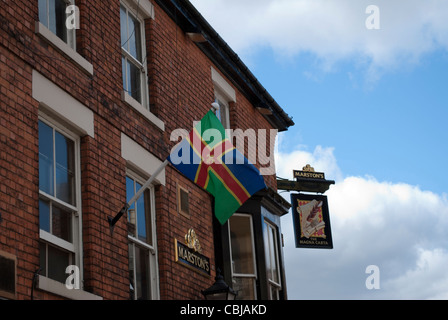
(209, 159)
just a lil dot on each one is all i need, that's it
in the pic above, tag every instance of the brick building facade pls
(86, 116)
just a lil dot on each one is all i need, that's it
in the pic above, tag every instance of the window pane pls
(62, 224)
(124, 33)
(141, 216)
(130, 190)
(135, 41)
(241, 244)
(142, 209)
(143, 280)
(131, 272)
(43, 17)
(44, 215)
(134, 81)
(123, 70)
(61, 17)
(58, 261)
(43, 258)
(274, 260)
(52, 15)
(65, 164)
(244, 287)
(57, 18)
(270, 243)
(218, 111)
(46, 179)
(223, 113)
(274, 293)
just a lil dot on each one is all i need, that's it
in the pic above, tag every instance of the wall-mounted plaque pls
(189, 254)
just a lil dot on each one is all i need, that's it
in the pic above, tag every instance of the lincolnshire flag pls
(207, 157)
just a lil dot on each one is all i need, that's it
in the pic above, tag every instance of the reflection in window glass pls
(244, 287)
(62, 223)
(134, 81)
(65, 164)
(243, 256)
(46, 169)
(134, 42)
(139, 272)
(142, 209)
(142, 273)
(241, 242)
(270, 236)
(223, 112)
(52, 15)
(44, 215)
(54, 261)
(58, 260)
(123, 27)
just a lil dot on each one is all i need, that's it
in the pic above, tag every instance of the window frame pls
(134, 241)
(180, 210)
(254, 275)
(142, 66)
(69, 33)
(224, 93)
(272, 257)
(224, 109)
(75, 247)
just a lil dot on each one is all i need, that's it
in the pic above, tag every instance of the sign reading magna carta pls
(311, 221)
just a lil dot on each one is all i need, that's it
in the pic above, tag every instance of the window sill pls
(60, 289)
(54, 40)
(142, 110)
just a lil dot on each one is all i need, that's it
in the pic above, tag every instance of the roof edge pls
(189, 19)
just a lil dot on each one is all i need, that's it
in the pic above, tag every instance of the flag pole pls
(113, 221)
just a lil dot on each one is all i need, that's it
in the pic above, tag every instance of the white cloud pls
(321, 159)
(427, 280)
(332, 30)
(398, 227)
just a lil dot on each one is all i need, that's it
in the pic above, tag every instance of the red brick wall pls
(181, 91)
(19, 228)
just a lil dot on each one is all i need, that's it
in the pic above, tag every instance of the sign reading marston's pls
(308, 173)
(189, 254)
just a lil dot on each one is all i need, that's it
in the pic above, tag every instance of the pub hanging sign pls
(311, 221)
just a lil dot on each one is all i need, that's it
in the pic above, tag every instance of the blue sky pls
(371, 111)
(393, 129)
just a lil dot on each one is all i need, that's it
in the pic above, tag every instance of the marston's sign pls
(308, 173)
(189, 254)
(311, 221)
(312, 175)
